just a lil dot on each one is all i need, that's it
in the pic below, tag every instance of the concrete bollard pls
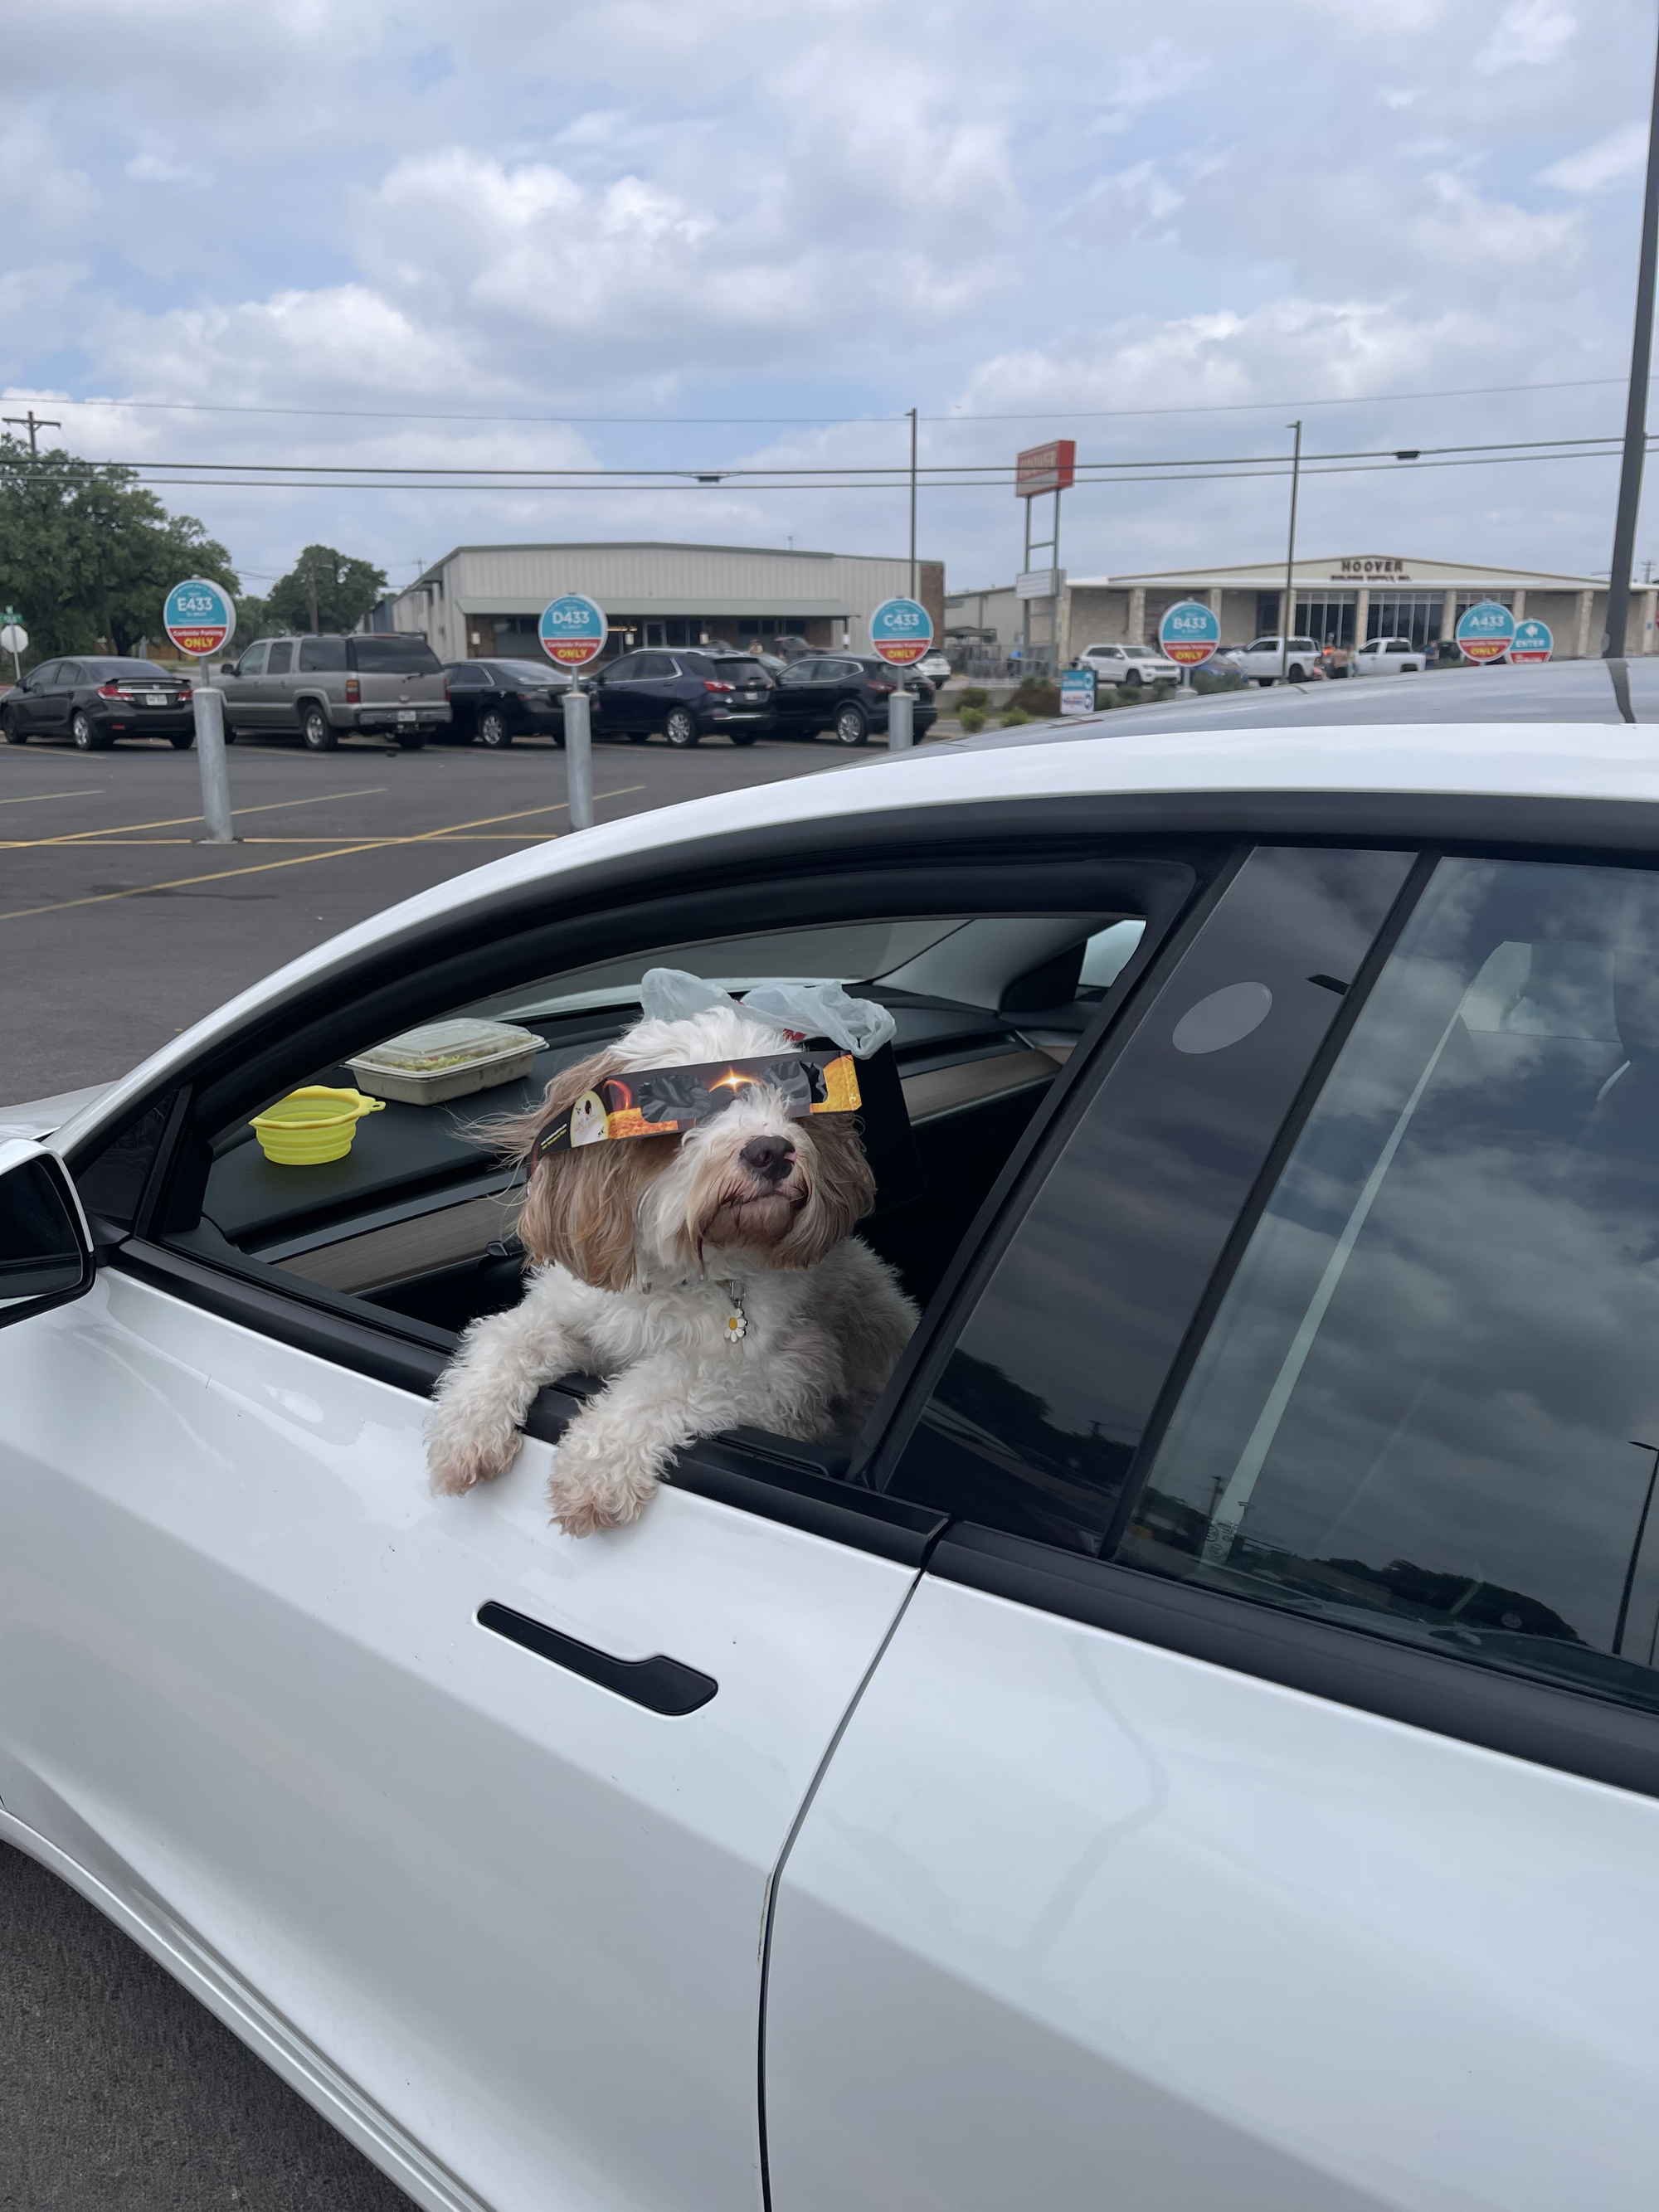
(579, 757)
(901, 720)
(208, 707)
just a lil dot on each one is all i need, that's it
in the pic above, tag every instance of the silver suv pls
(327, 687)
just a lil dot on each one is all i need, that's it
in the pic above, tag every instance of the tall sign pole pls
(913, 502)
(201, 619)
(1636, 405)
(1290, 560)
(1042, 469)
(573, 630)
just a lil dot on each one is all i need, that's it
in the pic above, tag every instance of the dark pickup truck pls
(324, 688)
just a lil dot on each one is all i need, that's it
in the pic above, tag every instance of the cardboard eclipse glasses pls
(661, 1102)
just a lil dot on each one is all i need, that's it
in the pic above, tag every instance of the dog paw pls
(458, 1459)
(594, 1486)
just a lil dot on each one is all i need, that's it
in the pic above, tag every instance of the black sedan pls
(494, 702)
(686, 695)
(846, 694)
(92, 701)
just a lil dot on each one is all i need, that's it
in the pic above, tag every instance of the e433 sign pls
(198, 617)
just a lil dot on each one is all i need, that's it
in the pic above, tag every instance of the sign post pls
(1077, 691)
(573, 630)
(1040, 469)
(901, 631)
(1534, 640)
(1189, 632)
(1485, 632)
(14, 640)
(199, 618)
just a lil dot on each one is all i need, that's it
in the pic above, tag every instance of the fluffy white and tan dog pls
(710, 1277)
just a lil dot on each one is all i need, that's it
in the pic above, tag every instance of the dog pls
(710, 1276)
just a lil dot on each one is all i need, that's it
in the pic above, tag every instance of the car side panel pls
(1076, 1919)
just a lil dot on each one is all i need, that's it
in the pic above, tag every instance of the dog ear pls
(843, 1190)
(579, 1204)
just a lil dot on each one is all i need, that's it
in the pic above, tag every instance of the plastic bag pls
(858, 1025)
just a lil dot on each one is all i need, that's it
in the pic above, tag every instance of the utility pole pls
(33, 423)
(1290, 559)
(1636, 404)
(311, 590)
(913, 502)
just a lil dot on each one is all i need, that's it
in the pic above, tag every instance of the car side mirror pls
(45, 1246)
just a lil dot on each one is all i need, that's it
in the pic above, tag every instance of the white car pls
(1199, 1745)
(1388, 656)
(933, 666)
(1129, 664)
(1265, 660)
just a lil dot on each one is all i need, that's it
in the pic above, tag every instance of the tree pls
(87, 555)
(324, 591)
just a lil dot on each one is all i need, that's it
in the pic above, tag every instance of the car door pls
(468, 1827)
(273, 692)
(794, 698)
(1256, 1804)
(659, 683)
(26, 705)
(470, 684)
(241, 685)
(620, 710)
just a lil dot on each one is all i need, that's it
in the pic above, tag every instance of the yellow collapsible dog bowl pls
(311, 1126)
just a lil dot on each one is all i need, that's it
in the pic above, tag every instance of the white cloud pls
(161, 168)
(1529, 34)
(1622, 152)
(1461, 230)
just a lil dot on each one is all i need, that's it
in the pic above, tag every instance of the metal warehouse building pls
(1340, 600)
(486, 600)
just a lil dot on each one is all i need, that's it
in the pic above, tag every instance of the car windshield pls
(394, 656)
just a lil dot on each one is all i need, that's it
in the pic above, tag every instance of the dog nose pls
(768, 1157)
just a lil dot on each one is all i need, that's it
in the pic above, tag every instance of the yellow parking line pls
(176, 821)
(299, 859)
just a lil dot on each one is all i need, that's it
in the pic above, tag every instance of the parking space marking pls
(299, 859)
(176, 821)
(34, 797)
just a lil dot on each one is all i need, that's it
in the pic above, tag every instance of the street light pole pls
(1636, 404)
(1290, 559)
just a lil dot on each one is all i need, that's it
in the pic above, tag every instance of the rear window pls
(741, 668)
(394, 656)
(322, 655)
(106, 671)
(530, 672)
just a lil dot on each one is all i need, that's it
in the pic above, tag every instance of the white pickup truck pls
(1265, 660)
(1131, 665)
(1388, 656)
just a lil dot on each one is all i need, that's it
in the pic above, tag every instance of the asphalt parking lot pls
(119, 928)
(118, 2092)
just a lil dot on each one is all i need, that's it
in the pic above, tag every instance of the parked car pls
(847, 693)
(1388, 656)
(1266, 660)
(92, 701)
(933, 666)
(496, 701)
(1132, 665)
(1204, 1729)
(688, 696)
(323, 688)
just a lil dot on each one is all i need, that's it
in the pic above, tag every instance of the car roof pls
(1157, 751)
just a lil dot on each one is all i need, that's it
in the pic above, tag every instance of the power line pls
(1057, 413)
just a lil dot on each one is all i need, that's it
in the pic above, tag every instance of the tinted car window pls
(1038, 1416)
(1429, 1405)
(280, 659)
(529, 675)
(394, 656)
(253, 662)
(623, 671)
(741, 668)
(473, 679)
(652, 665)
(114, 671)
(322, 655)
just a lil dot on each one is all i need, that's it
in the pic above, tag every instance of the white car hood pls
(38, 1117)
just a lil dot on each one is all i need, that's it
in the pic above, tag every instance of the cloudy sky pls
(749, 233)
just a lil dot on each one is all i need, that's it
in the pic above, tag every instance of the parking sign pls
(1485, 632)
(1534, 640)
(198, 617)
(901, 631)
(573, 630)
(1189, 632)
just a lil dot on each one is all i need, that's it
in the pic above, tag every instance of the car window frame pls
(806, 1484)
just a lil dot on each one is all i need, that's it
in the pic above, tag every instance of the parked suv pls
(496, 701)
(329, 687)
(94, 700)
(686, 696)
(1132, 665)
(847, 693)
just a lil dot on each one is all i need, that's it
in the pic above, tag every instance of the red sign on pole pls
(1051, 467)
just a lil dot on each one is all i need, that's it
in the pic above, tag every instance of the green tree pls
(87, 555)
(324, 591)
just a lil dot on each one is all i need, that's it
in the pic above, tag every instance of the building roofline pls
(648, 545)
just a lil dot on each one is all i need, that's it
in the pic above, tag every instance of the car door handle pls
(661, 1685)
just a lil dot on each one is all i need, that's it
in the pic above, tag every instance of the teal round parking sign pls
(901, 631)
(198, 617)
(573, 630)
(1534, 640)
(1485, 632)
(1189, 632)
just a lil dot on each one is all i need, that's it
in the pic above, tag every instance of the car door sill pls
(271, 2038)
(661, 1685)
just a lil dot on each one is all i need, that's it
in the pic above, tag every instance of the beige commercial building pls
(481, 600)
(1340, 600)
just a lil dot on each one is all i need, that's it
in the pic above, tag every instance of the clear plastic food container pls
(446, 1060)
